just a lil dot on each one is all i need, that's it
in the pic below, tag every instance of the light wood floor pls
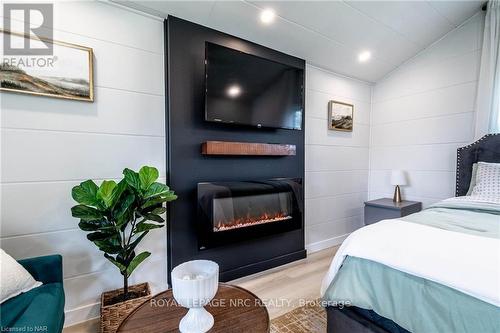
(291, 284)
(282, 288)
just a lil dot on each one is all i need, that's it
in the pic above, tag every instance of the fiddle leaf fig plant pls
(119, 215)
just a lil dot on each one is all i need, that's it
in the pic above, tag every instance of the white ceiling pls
(329, 34)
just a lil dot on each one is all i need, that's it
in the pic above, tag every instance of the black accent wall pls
(186, 130)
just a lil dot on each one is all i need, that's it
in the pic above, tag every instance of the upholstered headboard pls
(486, 149)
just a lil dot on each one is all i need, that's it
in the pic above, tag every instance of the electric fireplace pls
(237, 211)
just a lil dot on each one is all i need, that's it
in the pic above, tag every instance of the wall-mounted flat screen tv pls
(249, 90)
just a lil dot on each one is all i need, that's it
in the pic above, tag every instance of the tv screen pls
(249, 90)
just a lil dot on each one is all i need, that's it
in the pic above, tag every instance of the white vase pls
(194, 285)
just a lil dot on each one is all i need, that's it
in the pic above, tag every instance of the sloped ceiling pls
(329, 34)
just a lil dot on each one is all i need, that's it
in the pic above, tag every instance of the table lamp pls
(398, 178)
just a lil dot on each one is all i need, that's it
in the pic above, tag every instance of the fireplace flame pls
(250, 221)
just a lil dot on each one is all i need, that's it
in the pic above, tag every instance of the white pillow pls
(14, 278)
(472, 179)
(487, 180)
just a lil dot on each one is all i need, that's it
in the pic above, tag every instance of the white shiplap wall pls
(422, 112)
(336, 162)
(50, 145)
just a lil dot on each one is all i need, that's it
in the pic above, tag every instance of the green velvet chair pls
(40, 309)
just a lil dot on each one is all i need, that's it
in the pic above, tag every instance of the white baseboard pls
(324, 244)
(82, 314)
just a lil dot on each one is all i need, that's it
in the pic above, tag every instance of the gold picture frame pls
(47, 80)
(340, 116)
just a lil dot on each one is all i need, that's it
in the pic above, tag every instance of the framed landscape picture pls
(340, 116)
(66, 73)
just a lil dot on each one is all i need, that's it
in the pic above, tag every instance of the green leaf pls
(132, 178)
(121, 267)
(124, 205)
(140, 227)
(105, 192)
(153, 202)
(91, 225)
(169, 196)
(154, 217)
(85, 193)
(99, 236)
(125, 257)
(118, 191)
(147, 176)
(155, 189)
(136, 261)
(124, 211)
(108, 246)
(86, 213)
(107, 227)
(159, 210)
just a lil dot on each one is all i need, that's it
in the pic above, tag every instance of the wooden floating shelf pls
(247, 148)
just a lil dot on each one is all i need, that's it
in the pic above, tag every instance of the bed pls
(433, 271)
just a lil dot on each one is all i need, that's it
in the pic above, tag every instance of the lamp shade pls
(398, 177)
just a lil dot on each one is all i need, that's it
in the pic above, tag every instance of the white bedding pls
(450, 258)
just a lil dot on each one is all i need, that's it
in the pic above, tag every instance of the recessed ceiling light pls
(234, 91)
(267, 16)
(364, 56)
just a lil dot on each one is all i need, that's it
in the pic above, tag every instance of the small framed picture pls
(66, 73)
(340, 116)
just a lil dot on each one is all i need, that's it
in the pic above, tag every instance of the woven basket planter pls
(113, 315)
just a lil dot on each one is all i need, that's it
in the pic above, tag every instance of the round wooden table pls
(234, 309)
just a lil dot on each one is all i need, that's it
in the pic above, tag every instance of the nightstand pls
(382, 209)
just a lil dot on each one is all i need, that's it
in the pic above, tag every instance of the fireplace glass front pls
(237, 211)
(240, 212)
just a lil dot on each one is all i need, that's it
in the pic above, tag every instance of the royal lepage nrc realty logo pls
(32, 16)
